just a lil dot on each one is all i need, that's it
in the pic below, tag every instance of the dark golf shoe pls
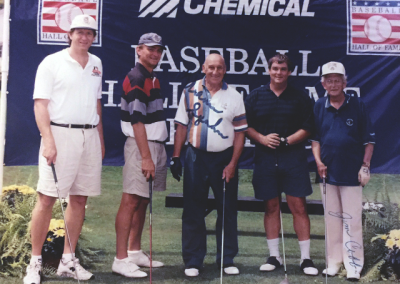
(272, 263)
(308, 267)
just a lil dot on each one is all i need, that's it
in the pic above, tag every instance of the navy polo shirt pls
(285, 114)
(342, 134)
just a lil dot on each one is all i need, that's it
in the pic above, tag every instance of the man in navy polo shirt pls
(342, 147)
(280, 119)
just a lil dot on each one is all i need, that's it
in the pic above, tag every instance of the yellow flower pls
(384, 237)
(56, 224)
(394, 234)
(60, 224)
(59, 233)
(24, 189)
(390, 243)
(49, 239)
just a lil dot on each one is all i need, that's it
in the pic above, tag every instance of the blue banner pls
(363, 35)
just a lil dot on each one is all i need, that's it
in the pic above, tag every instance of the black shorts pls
(281, 171)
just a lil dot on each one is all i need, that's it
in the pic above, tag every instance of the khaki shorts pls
(78, 163)
(134, 180)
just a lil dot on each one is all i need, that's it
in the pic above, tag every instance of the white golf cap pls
(84, 22)
(333, 68)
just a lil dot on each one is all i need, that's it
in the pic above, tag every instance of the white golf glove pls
(363, 175)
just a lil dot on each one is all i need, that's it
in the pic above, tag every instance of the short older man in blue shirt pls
(342, 147)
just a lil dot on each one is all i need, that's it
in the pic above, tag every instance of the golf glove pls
(176, 168)
(363, 176)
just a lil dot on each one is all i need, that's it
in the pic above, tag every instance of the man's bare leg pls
(123, 221)
(272, 223)
(74, 216)
(301, 221)
(138, 219)
(41, 216)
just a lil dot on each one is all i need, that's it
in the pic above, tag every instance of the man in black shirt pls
(280, 118)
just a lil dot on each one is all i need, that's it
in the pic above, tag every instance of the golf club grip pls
(54, 172)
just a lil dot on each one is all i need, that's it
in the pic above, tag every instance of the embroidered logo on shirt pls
(349, 122)
(96, 72)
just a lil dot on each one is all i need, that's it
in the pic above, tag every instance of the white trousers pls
(343, 221)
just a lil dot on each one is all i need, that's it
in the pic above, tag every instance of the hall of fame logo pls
(373, 27)
(55, 18)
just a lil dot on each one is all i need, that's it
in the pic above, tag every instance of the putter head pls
(284, 281)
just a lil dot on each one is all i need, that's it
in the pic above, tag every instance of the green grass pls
(99, 233)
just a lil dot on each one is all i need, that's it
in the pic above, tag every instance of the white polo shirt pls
(211, 121)
(73, 91)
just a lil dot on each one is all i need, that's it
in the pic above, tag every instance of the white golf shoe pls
(127, 268)
(353, 276)
(231, 270)
(191, 272)
(330, 271)
(33, 273)
(141, 258)
(67, 269)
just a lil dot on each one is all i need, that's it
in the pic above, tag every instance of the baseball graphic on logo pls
(378, 28)
(65, 14)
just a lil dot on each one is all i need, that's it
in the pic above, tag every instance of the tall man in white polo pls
(68, 114)
(211, 117)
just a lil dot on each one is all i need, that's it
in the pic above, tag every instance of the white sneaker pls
(33, 273)
(191, 272)
(141, 258)
(67, 269)
(231, 270)
(127, 268)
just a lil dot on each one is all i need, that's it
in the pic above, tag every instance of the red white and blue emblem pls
(55, 18)
(374, 27)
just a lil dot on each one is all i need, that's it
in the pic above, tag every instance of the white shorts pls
(78, 163)
(134, 180)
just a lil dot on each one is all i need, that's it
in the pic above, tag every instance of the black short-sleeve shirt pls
(284, 114)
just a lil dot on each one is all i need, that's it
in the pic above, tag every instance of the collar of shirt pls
(144, 71)
(68, 57)
(329, 105)
(224, 85)
(286, 91)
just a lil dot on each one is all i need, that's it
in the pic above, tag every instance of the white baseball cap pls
(84, 22)
(333, 68)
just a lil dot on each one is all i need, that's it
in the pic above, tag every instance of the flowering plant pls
(54, 245)
(390, 265)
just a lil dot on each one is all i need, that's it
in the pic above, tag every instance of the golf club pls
(223, 232)
(151, 226)
(326, 254)
(65, 221)
(284, 281)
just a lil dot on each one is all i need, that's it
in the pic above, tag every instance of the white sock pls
(133, 251)
(305, 249)
(68, 257)
(273, 246)
(35, 259)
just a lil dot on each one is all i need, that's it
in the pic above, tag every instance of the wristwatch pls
(171, 163)
(368, 165)
(284, 141)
